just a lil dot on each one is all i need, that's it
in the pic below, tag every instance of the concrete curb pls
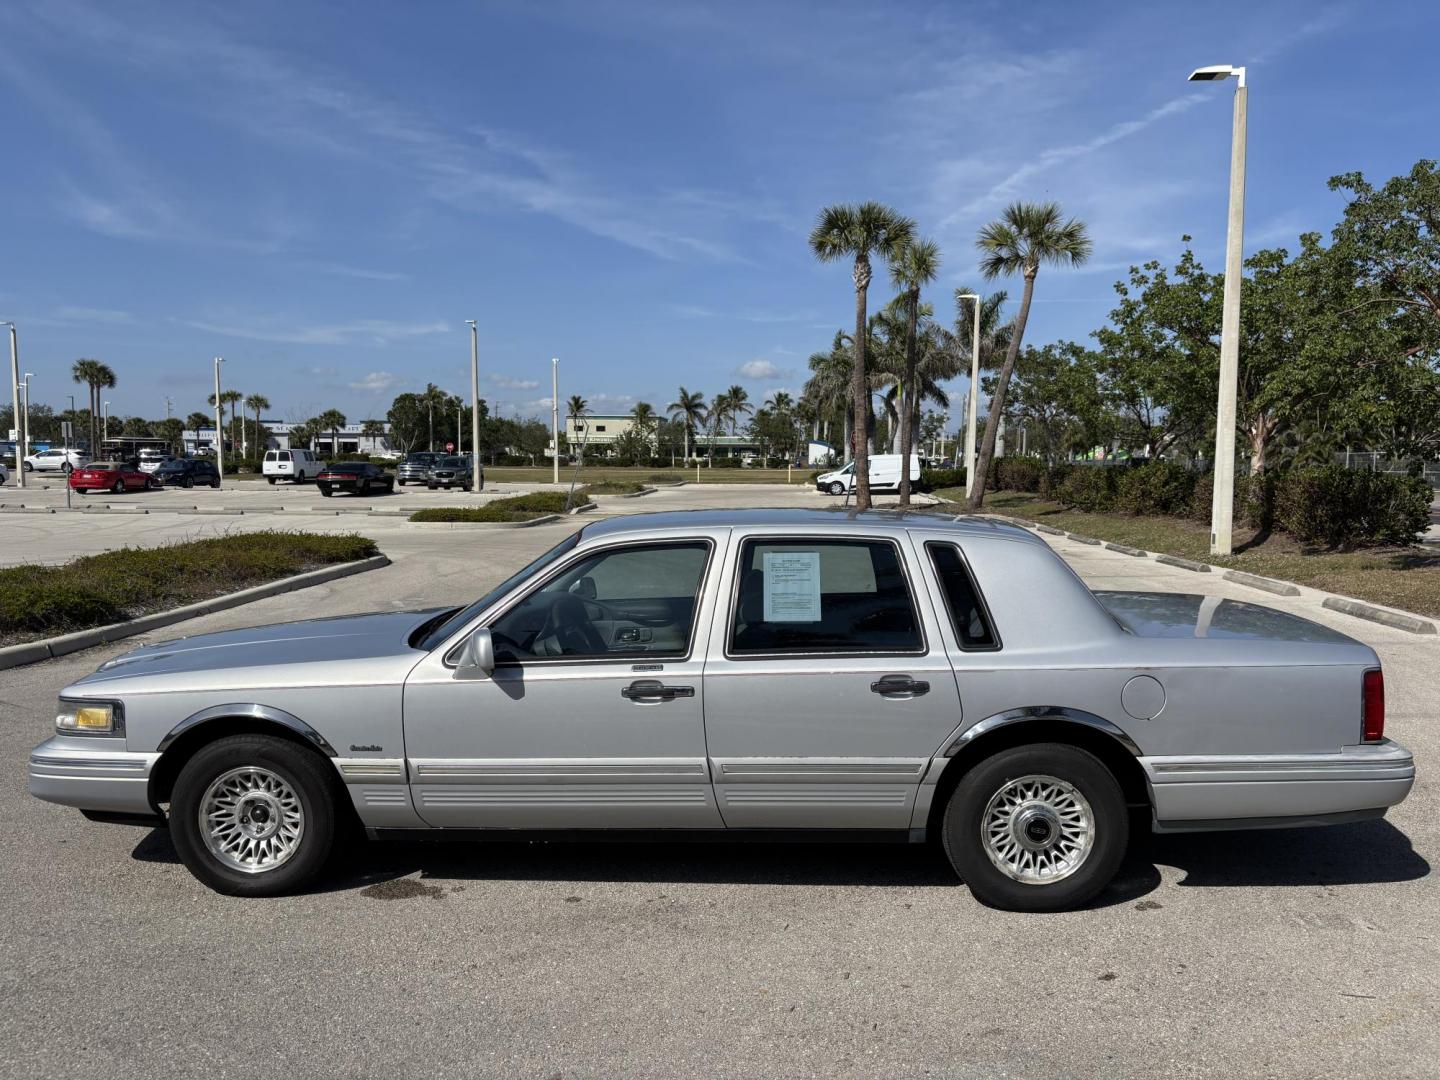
(583, 508)
(1393, 619)
(1050, 529)
(1183, 564)
(1136, 552)
(33, 651)
(1084, 539)
(1275, 588)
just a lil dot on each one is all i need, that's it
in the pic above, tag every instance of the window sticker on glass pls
(792, 586)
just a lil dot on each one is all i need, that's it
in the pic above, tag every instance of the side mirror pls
(477, 655)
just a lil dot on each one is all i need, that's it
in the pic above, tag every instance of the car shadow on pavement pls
(1363, 853)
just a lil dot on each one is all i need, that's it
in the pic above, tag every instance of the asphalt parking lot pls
(1288, 953)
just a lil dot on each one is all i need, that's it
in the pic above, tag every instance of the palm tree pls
(917, 265)
(828, 388)
(96, 376)
(228, 400)
(1026, 235)
(332, 420)
(688, 409)
(576, 408)
(737, 402)
(195, 421)
(719, 413)
(857, 232)
(256, 403)
(372, 430)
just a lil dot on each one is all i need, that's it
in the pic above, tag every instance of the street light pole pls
(1223, 499)
(474, 407)
(972, 397)
(555, 416)
(105, 428)
(219, 430)
(25, 430)
(15, 399)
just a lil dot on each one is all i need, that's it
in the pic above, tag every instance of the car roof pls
(892, 520)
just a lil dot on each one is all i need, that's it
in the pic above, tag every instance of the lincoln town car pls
(747, 674)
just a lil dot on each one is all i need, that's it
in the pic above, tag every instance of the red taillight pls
(1374, 695)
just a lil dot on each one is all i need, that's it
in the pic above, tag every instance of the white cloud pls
(760, 368)
(376, 331)
(361, 272)
(71, 313)
(377, 382)
(507, 382)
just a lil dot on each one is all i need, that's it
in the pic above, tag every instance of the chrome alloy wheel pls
(252, 819)
(1037, 829)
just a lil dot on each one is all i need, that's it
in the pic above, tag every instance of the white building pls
(348, 438)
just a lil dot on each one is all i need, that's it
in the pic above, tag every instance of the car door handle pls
(654, 690)
(899, 686)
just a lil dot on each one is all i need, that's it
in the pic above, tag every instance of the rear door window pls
(968, 614)
(823, 596)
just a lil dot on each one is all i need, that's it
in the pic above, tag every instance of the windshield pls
(464, 615)
(347, 467)
(419, 459)
(452, 463)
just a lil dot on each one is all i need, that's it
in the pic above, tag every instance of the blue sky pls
(322, 193)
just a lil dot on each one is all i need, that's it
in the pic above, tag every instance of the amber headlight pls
(87, 718)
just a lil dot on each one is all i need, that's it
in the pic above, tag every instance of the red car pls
(118, 477)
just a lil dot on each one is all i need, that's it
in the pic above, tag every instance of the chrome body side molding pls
(1040, 712)
(252, 711)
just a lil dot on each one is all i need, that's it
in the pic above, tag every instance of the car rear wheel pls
(837, 488)
(1037, 828)
(118, 488)
(271, 479)
(325, 491)
(188, 482)
(29, 467)
(67, 468)
(253, 815)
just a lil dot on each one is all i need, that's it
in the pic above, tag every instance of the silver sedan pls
(751, 673)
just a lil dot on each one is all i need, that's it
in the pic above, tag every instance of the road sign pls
(65, 429)
(449, 447)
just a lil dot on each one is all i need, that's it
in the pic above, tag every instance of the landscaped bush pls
(612, 487)
(1253, 504)
(39, 601)
(1343, 507)
(1161, 487)
(1088, 487)
(1018, 474)
(935, 479)
(1052, 478)
(515, 508)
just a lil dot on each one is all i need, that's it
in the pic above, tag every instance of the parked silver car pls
(413, 469)
(452, 471)
(750, 672)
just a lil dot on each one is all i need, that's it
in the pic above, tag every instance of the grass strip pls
(43, 601)
(1407, 578)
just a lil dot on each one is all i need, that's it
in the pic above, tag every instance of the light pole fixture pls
(1223, 499)
(15, 399)
(219, 427)
(972, 397)
(474, 407)
(555, 416)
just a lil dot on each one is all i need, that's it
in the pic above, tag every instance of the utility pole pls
(555, 415)
(972, 398)
(25, 428)
(15, 399)
(474, 407)
(168, 406)
(1223, 501)
(219, 429)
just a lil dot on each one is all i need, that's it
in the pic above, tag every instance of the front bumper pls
(91, 774)
(1269, 791)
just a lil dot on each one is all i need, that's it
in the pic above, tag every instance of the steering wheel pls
(569, 623)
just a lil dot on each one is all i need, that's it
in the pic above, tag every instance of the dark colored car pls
(187, 472)
(451, 471)
(115, 476)
(358, 477)
(413, 469)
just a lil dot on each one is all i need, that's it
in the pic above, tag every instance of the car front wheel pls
(188, 482)
(1037, 828)
(837, 488)
(253, 815)
(67, 468)
(271, 479)
(29, 467)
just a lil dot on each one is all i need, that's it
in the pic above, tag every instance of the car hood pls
(338, 649)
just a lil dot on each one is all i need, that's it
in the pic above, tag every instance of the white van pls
(297, 465)
(884, 475)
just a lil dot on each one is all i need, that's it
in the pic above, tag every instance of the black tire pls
(67, 468)
(271, 479)
(962, 834)
(364, 488)
(29, 467)
(305, 773)
(325, 491)
(215, 483)
(432, 487)
(118, 488)
(837, 488)
(188, 482)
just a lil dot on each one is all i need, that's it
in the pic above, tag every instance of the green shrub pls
(1018, 474)
(1161, 487)
(1088, 487)
(1253, 501)
(515, 508)
(612, 487)
(1342, 507)
(935, 479)
(1052, 478)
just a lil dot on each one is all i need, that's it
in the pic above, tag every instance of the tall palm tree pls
(737, 400)
(719, 413)
(828, 388)
(917, 266)
(689, 409)
(96, 377)
(228, 401)
(372, 430)
(1025, 236)
(332, 420)
(195, 421)
(857, 233)
(256, 403)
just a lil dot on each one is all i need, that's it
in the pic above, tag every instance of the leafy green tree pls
(857, 233)
(1026, 236)
(917, 265)
(172, 430)
(1056, 397)
(828, 389)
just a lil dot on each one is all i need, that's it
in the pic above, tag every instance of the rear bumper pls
(1195, 793)
(91, 774)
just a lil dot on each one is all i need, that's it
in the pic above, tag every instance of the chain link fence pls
(1377, 462)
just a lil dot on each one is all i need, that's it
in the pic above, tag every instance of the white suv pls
(56, 460)
(297, 465)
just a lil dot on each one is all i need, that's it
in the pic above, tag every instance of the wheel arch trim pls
(1063, 713)
(248, 711)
